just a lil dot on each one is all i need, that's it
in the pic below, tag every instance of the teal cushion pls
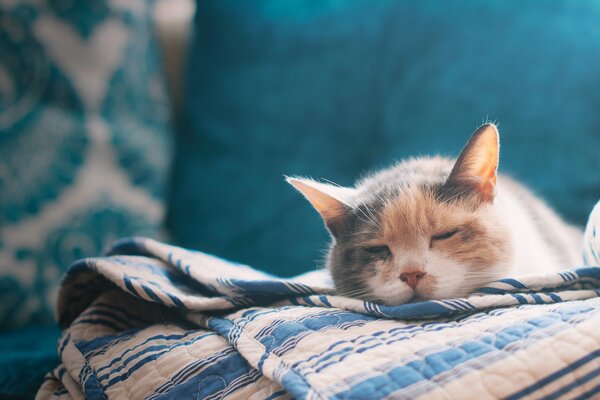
(331, 89)
(26, 355)
(84, 141)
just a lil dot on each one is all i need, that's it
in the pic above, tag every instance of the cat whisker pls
(354, 293)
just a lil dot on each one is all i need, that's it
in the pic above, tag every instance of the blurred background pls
(177, 119)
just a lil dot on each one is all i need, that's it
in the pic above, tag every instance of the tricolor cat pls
(432, 228)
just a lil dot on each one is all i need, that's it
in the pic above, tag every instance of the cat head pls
(426, 228)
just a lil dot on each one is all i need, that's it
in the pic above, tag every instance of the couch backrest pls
(332, 89)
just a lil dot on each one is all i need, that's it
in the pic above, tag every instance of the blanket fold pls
(154, 321)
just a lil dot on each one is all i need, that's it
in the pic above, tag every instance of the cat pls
(434, 228)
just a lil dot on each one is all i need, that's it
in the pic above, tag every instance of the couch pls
(334, 89)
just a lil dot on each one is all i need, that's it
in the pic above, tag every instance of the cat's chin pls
(395, 299)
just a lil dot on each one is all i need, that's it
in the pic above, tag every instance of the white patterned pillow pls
(84, 140)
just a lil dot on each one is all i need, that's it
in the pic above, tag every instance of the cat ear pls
(329, 200)
(477, 164)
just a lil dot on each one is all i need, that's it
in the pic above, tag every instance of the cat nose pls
(411, 278)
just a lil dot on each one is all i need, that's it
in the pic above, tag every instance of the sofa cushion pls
(332, 89)
(26, 355)
(84, 141)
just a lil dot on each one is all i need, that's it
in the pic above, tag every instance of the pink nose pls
(412, 278)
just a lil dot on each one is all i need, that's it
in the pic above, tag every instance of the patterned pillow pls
(84, 141)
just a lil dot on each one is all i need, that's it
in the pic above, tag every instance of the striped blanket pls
(155, 321)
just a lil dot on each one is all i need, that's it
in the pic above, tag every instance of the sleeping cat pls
(432, 228)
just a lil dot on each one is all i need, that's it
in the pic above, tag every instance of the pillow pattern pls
(331, 89)
(84, 141)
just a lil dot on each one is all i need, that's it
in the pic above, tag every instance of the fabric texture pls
(333, 89)
(84, 141)
(156, 321)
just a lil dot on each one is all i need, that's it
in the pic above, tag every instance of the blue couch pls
(332, 89)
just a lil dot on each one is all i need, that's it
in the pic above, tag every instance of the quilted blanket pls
(154, 321)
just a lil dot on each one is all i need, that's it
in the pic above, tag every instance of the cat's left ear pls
(329, 200)
(477, 165)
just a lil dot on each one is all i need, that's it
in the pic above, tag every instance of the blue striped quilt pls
(154, 321)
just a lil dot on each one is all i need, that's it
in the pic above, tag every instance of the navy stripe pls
(65, 340)
(393, 335)
(152, 357)
(325, 301)
(513, 282)
(577, 382)
(491, 290)
(151, 294)
(447, 359)
(537, 298)
(520, 298)
(130, 287)
(148, 340)
(176, 301)
(554, 376)
(589, 393)
(555, 297)
(308, 301)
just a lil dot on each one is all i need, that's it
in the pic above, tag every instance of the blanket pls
(154, 321)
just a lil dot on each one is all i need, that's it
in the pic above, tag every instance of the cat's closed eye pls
(444, 235)
(382, 252)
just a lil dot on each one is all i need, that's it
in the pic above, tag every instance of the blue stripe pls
(513, 282)
(325, 301)
(151, 294)
(415, 311)
(572, 275)
(589, 394)
(520, 298)
(308, 301)
(555, 297)
(491, 290)
(467, 305)
(577, 382)
(183, 374)
(555, 376)
(400, 334)
(285, 332)
(152, 357)
(262, 360)
(130, 287)
(537, 298)
(448, 359)
(214, 380)
(403, 333)
(166, 338)
(65, 340)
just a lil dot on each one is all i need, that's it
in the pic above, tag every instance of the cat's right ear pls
(477, 165)
(329, 200)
